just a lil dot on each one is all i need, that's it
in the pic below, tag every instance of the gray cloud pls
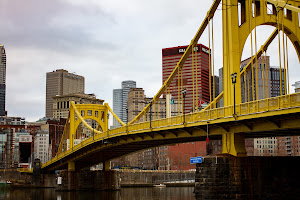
(106, 41)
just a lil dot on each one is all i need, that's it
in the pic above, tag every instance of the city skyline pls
(102, 42)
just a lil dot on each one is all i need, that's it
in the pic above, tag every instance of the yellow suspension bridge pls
(236, 120)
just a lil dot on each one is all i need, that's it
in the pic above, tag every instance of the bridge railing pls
(264, 105)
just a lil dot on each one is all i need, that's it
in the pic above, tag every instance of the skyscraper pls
(170, 58)
(126, 85)
(120, 97)
(2, 80)
(117, 106)
(61, 82)
(268, 79)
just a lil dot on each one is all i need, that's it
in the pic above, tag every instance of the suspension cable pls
(193, 75)
(256, 68)
(196, 55)
(263, 77)
(178, 88)
(287, 65)
(252, 70)
(213, 59)
(279, 51)
(209, 62)
(283, 52)
(267, 79)
(245, 86)
(181, 88)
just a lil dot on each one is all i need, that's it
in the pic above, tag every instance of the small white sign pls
(59, 180)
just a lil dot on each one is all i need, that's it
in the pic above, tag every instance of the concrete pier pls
(227, 177)
(88, 180)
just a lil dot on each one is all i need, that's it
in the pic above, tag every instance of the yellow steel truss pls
(276, 106)
(234, 38)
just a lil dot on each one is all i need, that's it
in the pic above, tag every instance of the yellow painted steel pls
(234, 144)
(107, 165)
(114, 115)
(71, 166)
(285, 4)
(281, 105)
(234, 38)
(179, 65)
(235, 35)
(25, 170)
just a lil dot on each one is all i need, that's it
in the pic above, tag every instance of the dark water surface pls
(147, 193)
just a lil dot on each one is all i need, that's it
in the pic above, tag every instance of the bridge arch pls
(79, 113)
(292, 32)
(238, 22)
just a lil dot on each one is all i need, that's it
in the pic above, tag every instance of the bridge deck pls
(269, 117)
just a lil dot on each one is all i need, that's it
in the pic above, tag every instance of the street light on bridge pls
(183, 94)
(150, 114)
(233, 79)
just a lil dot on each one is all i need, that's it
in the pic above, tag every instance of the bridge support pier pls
(234, 144)
(229, 177)
(74, 179)
(106, 165)
(71, 176)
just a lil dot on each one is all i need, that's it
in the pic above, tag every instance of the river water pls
(145, 193)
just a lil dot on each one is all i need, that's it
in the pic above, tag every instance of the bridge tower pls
(240, 18)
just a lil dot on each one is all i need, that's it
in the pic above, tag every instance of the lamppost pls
(183, 94)
(233, 79)
(93, 125)
(150, 115)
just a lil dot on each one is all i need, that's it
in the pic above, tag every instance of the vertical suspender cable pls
(209, 62)
(248, 77)
(263, 76)
(196, 57)
(213, 59)
(193, 74)
(267, 77)
(287, 66)
(283, 52)
(168, 103)
(279, 51)
(245, 85)
(181, 80)
(252, 70)
(256, 68)
(178, 89)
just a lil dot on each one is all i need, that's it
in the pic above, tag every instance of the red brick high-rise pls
(170, 58)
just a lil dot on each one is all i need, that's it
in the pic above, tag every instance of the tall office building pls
(61, 104)
(2, 80)
(117, 106)
(126, 85)
(170, 58)
(120, 97)
(61, 82)
(268, 79)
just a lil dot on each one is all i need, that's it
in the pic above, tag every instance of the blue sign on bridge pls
(194, 160)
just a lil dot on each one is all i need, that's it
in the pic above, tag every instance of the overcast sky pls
(105, 41)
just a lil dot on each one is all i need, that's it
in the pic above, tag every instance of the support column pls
(71, 175)
(106, 165)
(72, 125)
(234, 144)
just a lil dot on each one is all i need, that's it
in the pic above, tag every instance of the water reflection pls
(168, 193)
